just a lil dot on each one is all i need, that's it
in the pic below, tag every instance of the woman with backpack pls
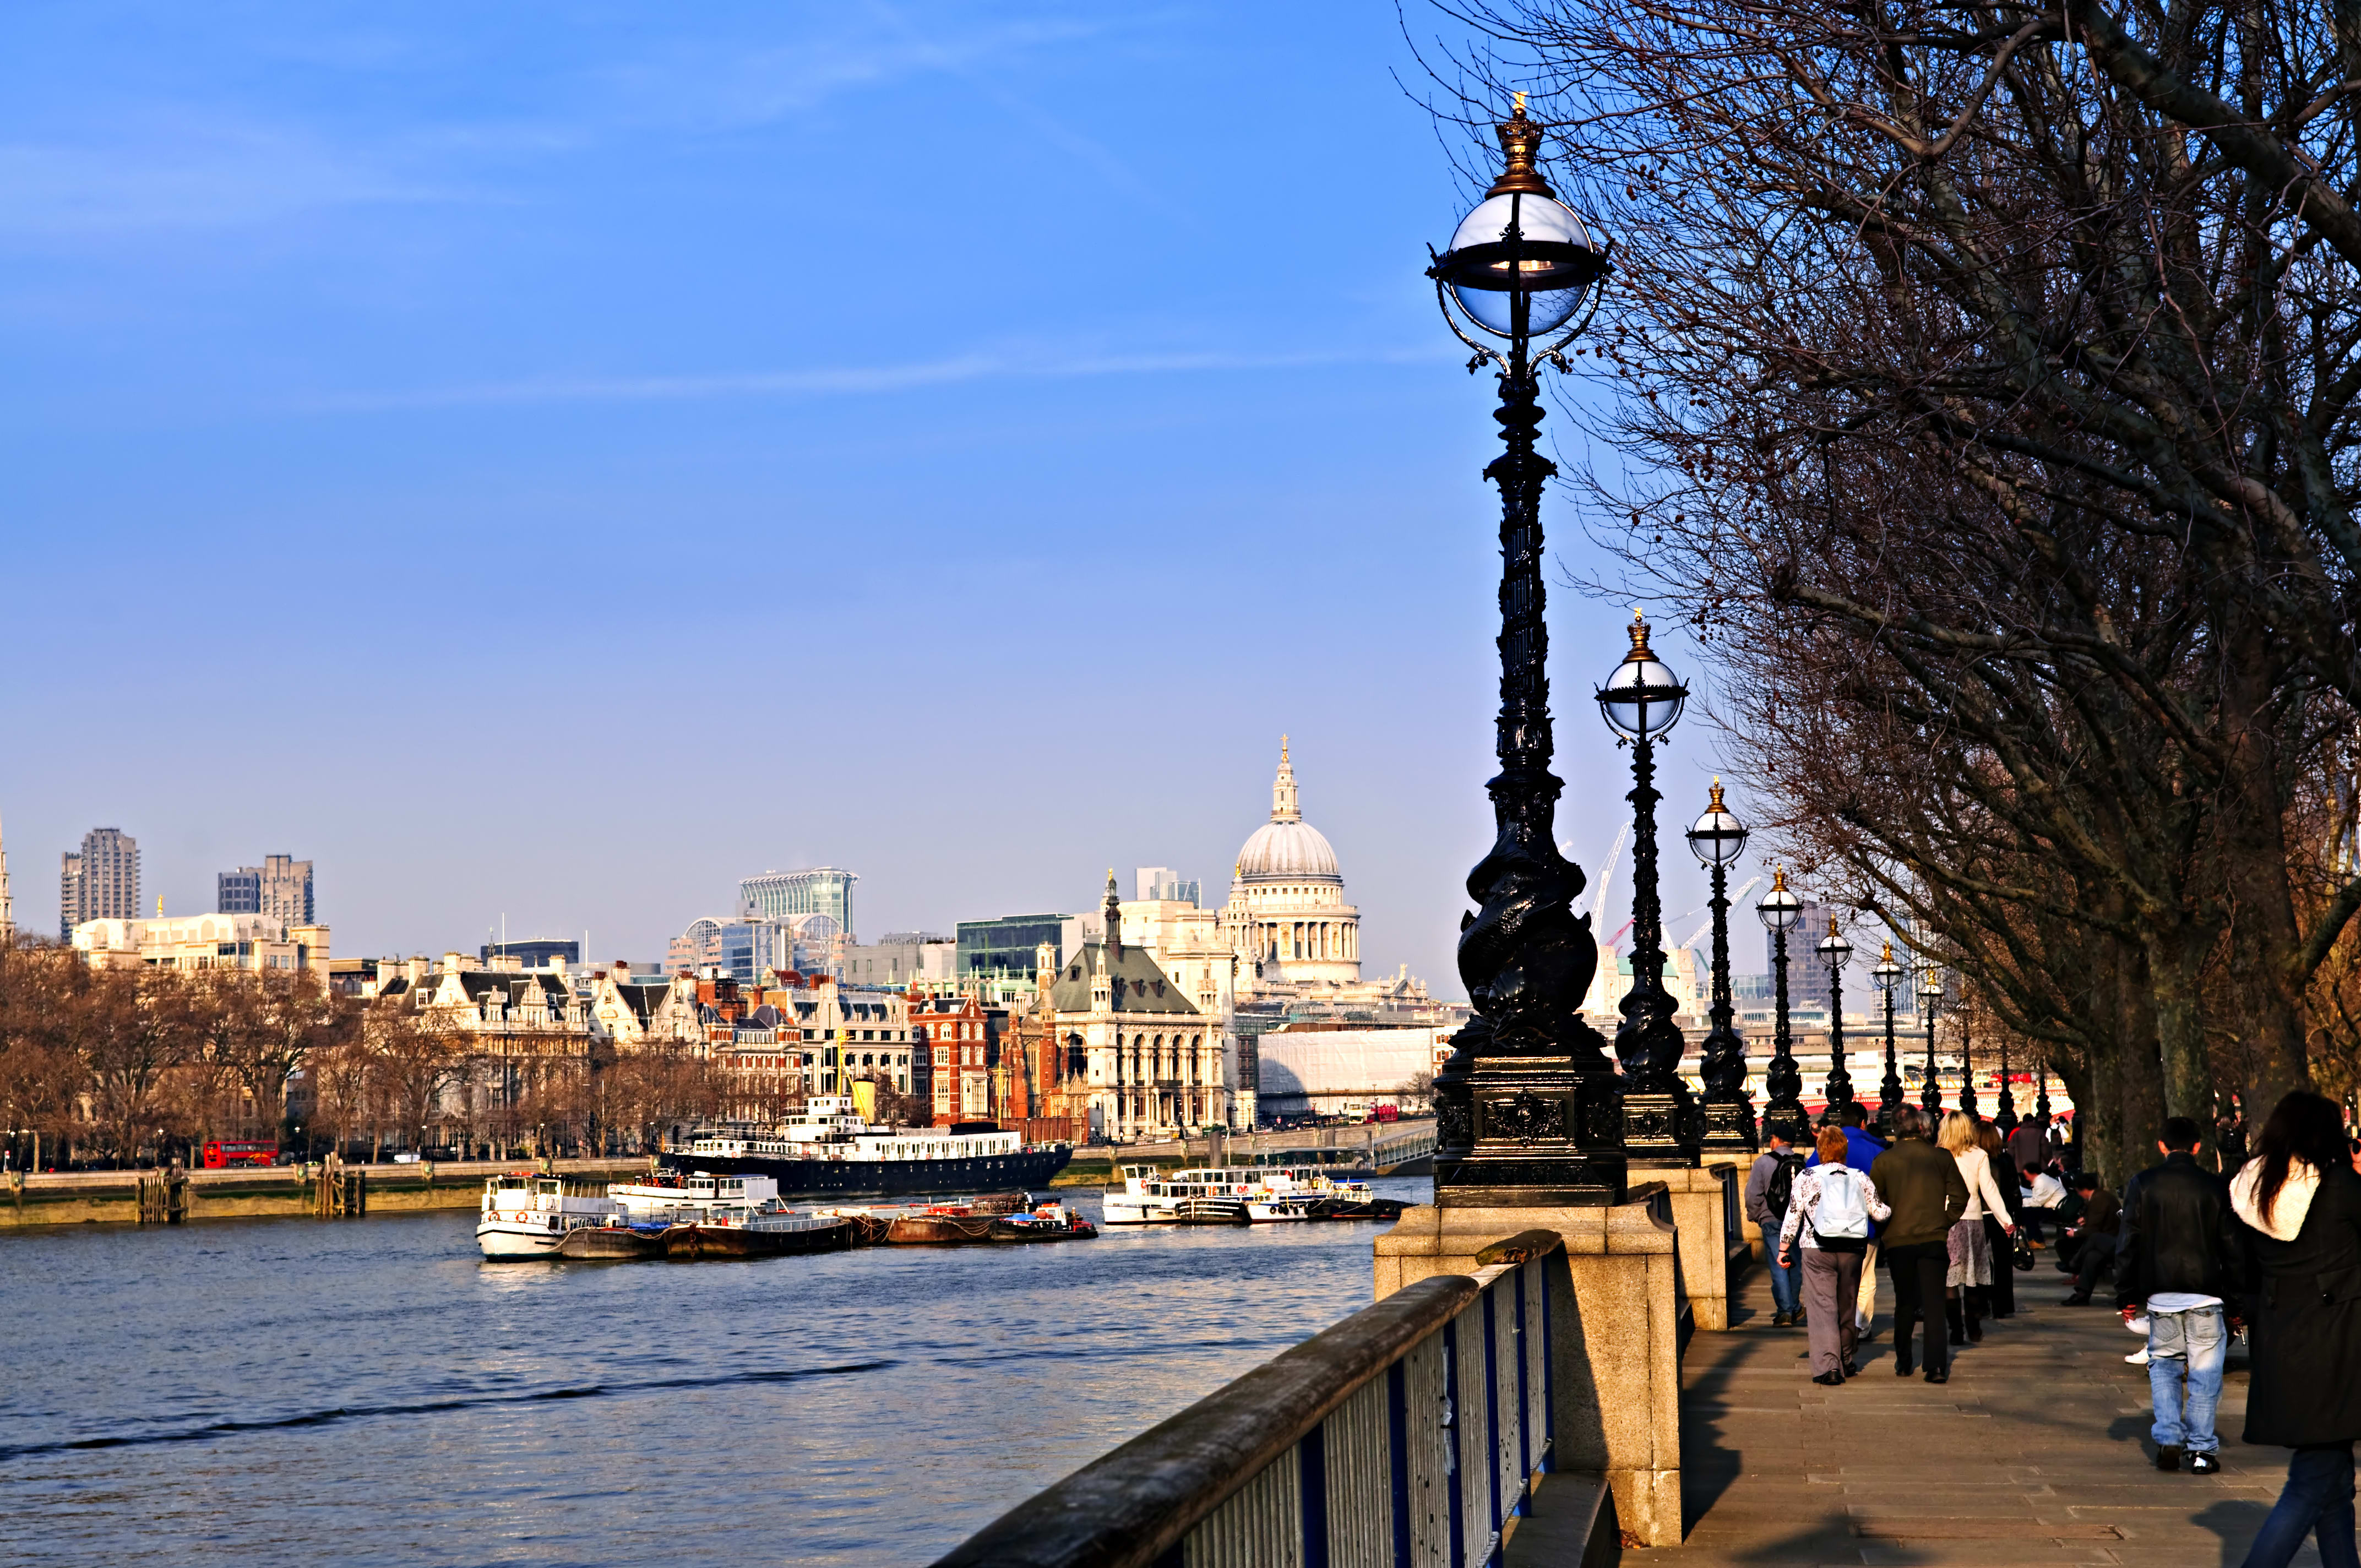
(2302, 1198)
(1828, 1210)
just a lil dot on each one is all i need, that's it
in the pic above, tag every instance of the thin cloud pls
(849, 380)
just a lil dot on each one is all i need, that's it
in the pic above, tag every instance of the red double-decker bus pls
(224, 1153)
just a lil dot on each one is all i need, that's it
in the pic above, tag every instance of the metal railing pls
(1410, 1435)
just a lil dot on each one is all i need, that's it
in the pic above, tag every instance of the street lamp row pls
(1530, 1108)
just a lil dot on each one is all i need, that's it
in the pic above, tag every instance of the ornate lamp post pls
(1784, 1112)
(1930, 1002)
(1835, 953)
(1642, 702)
(2005, 1115)
(1888, 974)
(1527, 1106)
(1966, 1065)
(1717, 838)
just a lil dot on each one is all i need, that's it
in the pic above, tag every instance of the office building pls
(780, 896)
(902, 959)
(1807, 975)
(281, 888)
(1161, 884)
(101, 882)
(1007, 946)
(203, 941)
(536, 952)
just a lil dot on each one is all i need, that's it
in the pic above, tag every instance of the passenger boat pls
(1241, 1195)
(529, 1215)
(828, 1150)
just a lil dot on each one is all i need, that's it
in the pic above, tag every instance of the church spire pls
(1282, 789)
(1114, 919)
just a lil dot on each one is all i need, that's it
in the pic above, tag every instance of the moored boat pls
(530, 1215)
(828, 1150)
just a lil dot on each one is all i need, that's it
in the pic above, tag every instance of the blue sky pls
(549, 461)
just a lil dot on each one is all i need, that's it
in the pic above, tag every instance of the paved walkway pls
(2036, 1451)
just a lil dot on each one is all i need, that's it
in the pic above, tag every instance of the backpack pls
(1841, 1224)
(1781, 1190)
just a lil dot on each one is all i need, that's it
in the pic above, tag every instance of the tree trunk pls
(2263, 940)
(2176, 962)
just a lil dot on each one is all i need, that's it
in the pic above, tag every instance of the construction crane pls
(1596, 899)
(1735, 900)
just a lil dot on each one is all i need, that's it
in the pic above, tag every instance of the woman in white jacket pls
(1971, 1249)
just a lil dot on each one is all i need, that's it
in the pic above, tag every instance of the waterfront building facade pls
(1122, 1051)
(950, 1065)
(1318, 1069)
(100, 883)
(280, 887)
(203, 942)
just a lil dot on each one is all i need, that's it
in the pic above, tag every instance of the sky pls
(544, 462)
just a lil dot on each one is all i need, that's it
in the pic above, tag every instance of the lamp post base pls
(1530, 1130)
(1730, 1125)
(1658, 1126)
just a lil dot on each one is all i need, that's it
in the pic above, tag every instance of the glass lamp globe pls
(1780, 909)
(1930, 989)
(1718, 838)
(1642, 699)
(1520, 243)
(1887, 974)
(1833, 948)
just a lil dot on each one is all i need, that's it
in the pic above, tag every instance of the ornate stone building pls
(1287, 913)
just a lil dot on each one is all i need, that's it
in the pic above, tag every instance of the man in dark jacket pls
(1923, 1186)
(2178, 1257)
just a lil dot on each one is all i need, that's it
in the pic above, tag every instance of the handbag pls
(2021, 1254)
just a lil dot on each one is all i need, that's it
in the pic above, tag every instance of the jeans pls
(2185, 1346)
(1786, 1283)
(1918, 1274)
(2317, 1501)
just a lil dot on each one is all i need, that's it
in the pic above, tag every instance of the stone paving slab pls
(2036, 1452)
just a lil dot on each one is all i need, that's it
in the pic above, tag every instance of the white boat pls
(526, 1216)
(1245, 1195)
(828, 1150)
(690, 1197)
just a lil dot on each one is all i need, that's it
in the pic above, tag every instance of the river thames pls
(372, 1392)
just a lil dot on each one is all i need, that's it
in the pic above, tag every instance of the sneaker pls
(2138, 1357)
(1780, 1320)
(2204, 1464)
(2167, 1459)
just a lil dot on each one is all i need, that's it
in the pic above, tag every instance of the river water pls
(292, 1391)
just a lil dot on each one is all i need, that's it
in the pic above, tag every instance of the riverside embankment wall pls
(111, 1196)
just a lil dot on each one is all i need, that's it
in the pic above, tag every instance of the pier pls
(172, 1196)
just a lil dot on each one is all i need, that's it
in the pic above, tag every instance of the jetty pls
(173, 1196)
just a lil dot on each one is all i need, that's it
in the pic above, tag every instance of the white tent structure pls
(1342, 1072)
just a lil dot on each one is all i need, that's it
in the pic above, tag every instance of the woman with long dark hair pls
(2301, 1195)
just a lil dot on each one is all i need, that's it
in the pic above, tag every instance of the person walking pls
(1861, 1149)
(1770, 1187)
(1831, 1210)
(2000, 1300)
(2028, 1144)
(2177, 1258)
(2303, 1200)
(1923, 1189)
(1967, 1254)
